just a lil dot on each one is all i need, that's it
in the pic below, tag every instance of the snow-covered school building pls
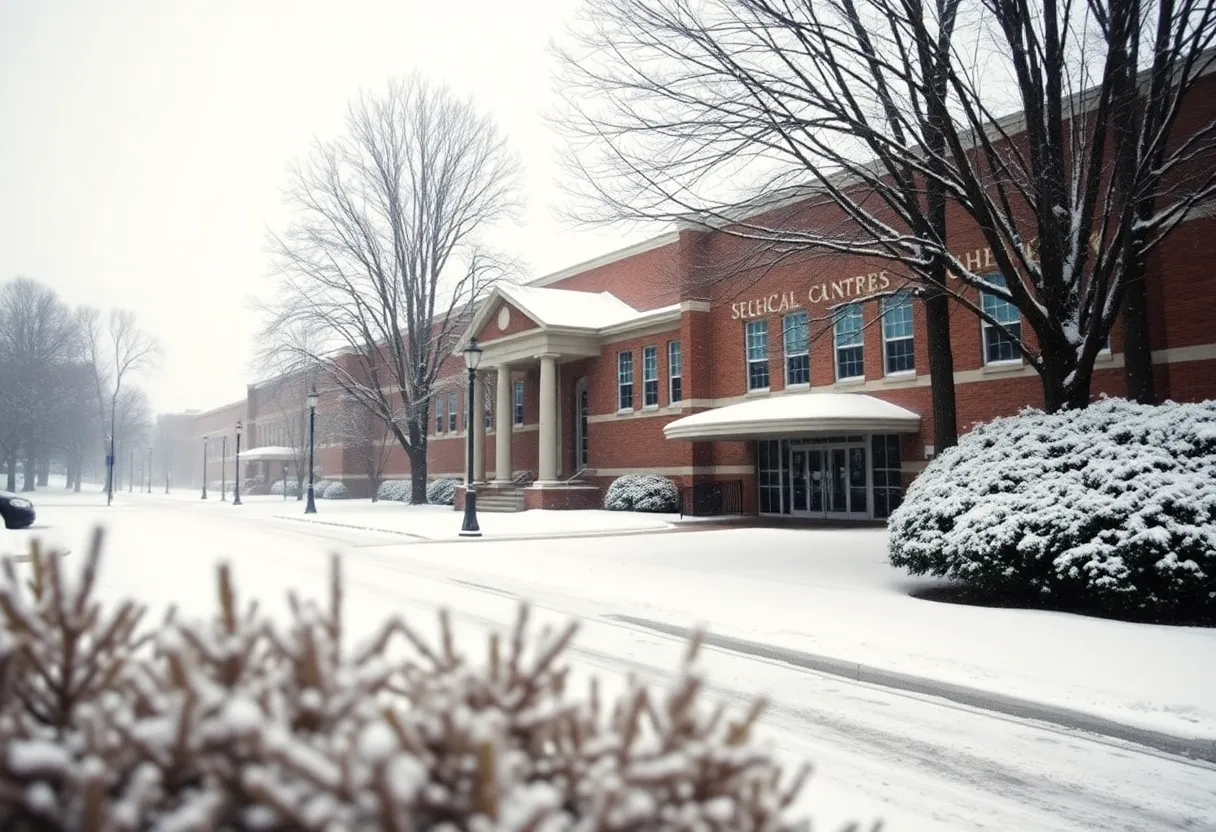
(747, 387)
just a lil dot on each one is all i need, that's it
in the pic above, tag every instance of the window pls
(439, 414)
(452, 405)
(675, 373)
(519, 402)
(850, 361)
(998, 346)
(797, 355)
(624, 381)
(650, 376)
(757, 355)
(888, 486)
(899, 354)
(487, 393)
(768, 476)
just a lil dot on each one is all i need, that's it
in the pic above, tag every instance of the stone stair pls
(501, 500)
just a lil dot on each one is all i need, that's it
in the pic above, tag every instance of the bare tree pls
(382, 264)
(362, 435)
(37, 339)
(116, 353)
(855, 113)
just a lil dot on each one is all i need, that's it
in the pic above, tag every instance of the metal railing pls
(712, 499)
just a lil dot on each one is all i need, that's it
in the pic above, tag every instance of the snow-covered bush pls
(293, 488)
(320, 489)
(441, 492)
(1110, 510)
(276, 488)
(247, 721)
(642, 492)
(337, 491)
(395, 490)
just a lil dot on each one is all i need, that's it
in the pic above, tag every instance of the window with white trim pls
(795, 331)
(675, 373)
(650, 376)
(756, 336)
(848, 337)
(1000, 344)
(488, 397)
(453, 422)
(439, 421)
(519, 402)
(898, 344)
(624, 381)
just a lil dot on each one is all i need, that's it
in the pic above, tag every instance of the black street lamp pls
(236, 483)
(311, 507)
(224, 468)
(110, 466)
(472, 357)
(284, 483)
(204, 467)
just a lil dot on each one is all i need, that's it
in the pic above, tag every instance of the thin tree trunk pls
(417, 454)
(44, 468)
(31, 470)
(11, 477)
(79, 474)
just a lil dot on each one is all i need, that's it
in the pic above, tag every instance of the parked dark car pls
(18, 512)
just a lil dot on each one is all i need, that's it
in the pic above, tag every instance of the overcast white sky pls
(143, 146)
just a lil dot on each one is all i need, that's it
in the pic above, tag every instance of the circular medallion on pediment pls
(504, 317)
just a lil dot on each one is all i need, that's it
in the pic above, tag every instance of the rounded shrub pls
(392, 490)
(441, 492)
(642, 492)
(276, 488)
(320, 489)
(1109, 510)
(337, 491)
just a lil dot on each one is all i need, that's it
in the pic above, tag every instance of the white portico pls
(526, 328)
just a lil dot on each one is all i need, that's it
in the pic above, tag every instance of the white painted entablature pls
(801, 414)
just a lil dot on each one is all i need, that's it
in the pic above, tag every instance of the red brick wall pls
(519, 322)
(644, 281)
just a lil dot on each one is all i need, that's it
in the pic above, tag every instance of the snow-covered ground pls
(917, 762)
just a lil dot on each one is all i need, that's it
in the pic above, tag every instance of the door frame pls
(825, 449)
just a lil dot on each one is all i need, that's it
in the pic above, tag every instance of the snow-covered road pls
(915, 762)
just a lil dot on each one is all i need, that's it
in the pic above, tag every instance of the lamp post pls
(149, 469)
(236, 482)
(284, 483)
(110, 466)
(472, 357)
(131, 473)
(224, 468)
(204, 467)
(311, 507)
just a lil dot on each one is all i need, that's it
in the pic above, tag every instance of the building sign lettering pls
(824, 292)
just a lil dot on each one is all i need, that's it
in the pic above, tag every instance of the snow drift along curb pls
(1199, 748)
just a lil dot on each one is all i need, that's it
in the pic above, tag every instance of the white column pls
(502, 426)
(477, 424)
(548, 419)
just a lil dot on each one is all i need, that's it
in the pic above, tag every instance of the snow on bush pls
(643, 492)
(293, 488)
(396, 490)
(276, 488)
(441, 492)
(1110, 509)
(337, 491)
(248, 722)
(321, 489)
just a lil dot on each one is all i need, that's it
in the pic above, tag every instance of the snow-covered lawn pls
(918, 764)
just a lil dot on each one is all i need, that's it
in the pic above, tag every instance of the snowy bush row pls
(441, 492)
(256, 722)
(1110, 509)
(642, 492)
(293, 488)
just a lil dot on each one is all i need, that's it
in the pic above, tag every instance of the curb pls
(420, 539)
(1198, 748)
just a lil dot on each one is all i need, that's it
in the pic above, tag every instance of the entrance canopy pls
(271, 453)
(798, 414)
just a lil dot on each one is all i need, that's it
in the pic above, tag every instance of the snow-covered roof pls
(566, 308)
(795, 414)
(271, 452)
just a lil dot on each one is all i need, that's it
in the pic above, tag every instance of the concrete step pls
(503, 500)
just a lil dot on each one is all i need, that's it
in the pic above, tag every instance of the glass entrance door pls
(829, 481)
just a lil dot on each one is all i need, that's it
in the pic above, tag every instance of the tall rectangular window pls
(650, 376)
(899, 353)
(675, 373)
(796, 335)
(489, 403)
(888, 485)
(624, 381)
(847, 332)
(439, 420)
(999, 346)
(519, 402)
(452, 415)
(757, 355)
